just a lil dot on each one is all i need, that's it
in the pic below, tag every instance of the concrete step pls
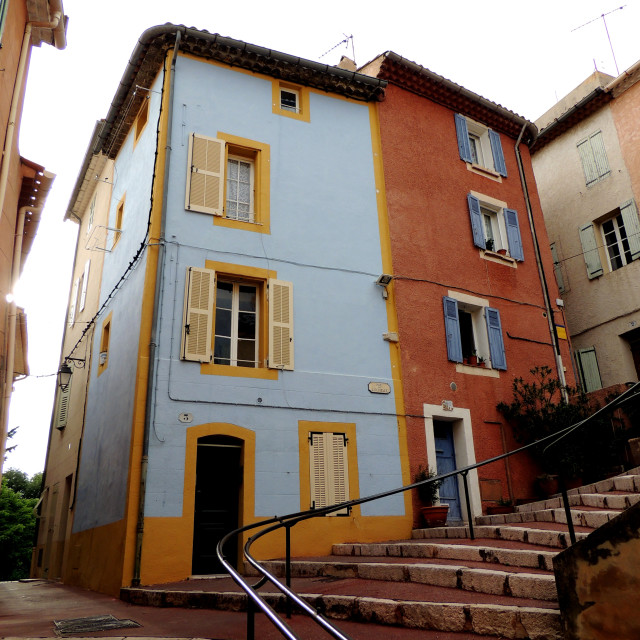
(610, 501)
(479, 550)
(586, 517)
(490, 581)
(545, 534)
(432, 612)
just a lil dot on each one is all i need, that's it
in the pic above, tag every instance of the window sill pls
(484, 171)
(494, 256)
(477, 371)
(230, 223)
(238, 372)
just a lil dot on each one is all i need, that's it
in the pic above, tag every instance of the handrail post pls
(567, 508)
(287, 566)
(466, 497)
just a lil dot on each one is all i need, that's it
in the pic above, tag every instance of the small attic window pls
(289, 100)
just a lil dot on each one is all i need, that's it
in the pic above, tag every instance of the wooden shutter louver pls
(329, 472)
(590, 251)
(588, 369)
(280, 325)
(513, 234)
(498, 155)
(205, 181)
(477, 228)
(62, 407)
(452, 329)
(462, 133)
(198, 315)
(631, 223)
(496, 342)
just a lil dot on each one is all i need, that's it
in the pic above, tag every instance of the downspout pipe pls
(541, 274)
(57, 19)
(11, 337)
(155, 329)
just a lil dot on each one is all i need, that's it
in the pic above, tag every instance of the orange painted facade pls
(434, 256)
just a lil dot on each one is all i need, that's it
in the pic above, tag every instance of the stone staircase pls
(499, 585)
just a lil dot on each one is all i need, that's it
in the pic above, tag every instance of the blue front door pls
(446, 461)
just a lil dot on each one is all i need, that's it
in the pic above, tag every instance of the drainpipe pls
(11, 338)
(155, 327)
(543, 280)
(57, 26)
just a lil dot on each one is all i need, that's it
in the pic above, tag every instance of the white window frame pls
(286, 107)
(235, 311)
(480, 134)
(624, 256)
(498, 228)
(252, 188)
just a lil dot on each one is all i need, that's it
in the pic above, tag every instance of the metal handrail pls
(290, 520)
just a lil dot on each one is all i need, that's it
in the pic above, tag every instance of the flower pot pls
(502, 252)
(473, 360)
(435, 516)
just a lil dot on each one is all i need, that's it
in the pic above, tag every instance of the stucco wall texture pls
(433, 254)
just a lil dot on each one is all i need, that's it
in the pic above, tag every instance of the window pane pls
(222, 351)
(223, 295)
(223, 322)
(288, 100)
(466, 333)
(247, 298)
(246, 325)
(246, 353)
(232, 170)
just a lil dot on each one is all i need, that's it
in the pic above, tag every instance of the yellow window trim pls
(141, 120)
(303, 113)
(118, 222)
(260, 153)
(105, 339)
(249, 274)
(305, 428)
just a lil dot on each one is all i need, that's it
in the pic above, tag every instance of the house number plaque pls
(379, 387)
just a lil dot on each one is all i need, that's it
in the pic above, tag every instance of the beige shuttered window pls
(198, 315)
(62, 407)
(280, 324)
(329, 470)
(594, 158)
(205, 178)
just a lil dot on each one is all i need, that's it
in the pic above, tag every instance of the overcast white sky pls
(523, 55)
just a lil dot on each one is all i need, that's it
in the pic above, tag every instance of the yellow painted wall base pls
(95, 559)
(168, 542)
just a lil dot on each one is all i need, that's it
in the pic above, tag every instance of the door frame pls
(462, 429)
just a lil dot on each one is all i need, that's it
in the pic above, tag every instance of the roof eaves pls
(446, 92)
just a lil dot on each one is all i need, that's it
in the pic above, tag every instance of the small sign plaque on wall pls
(379, 387)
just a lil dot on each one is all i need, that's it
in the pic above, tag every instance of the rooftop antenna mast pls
(607, 30)
(345, 42)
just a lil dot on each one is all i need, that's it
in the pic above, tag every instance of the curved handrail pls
(277, 522)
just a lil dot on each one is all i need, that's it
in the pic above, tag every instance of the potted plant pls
(433, 513)
(489, 244)
(504, 505)
(473, 358)
(482, 362)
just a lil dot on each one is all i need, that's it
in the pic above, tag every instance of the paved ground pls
(28, 609)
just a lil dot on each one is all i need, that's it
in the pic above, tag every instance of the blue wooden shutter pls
(463, 137)
(452, 328)
(590, 251)
(476, 221)
(631, 226)
(496, 343)
(513, 234)
(498, 157)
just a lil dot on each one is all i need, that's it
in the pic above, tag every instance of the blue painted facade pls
(324, 238)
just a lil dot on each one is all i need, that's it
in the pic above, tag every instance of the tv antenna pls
(345, 41)
(606, 29)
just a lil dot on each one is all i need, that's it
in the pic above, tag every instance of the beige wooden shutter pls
(280, 325)
(62, 407)
(72, 306)
(329, 470)
(85, 281)
(198, 315)
(205, 178)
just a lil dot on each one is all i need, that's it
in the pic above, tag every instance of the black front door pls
(218, 479)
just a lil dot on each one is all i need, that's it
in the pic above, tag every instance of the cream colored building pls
(587, 167)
